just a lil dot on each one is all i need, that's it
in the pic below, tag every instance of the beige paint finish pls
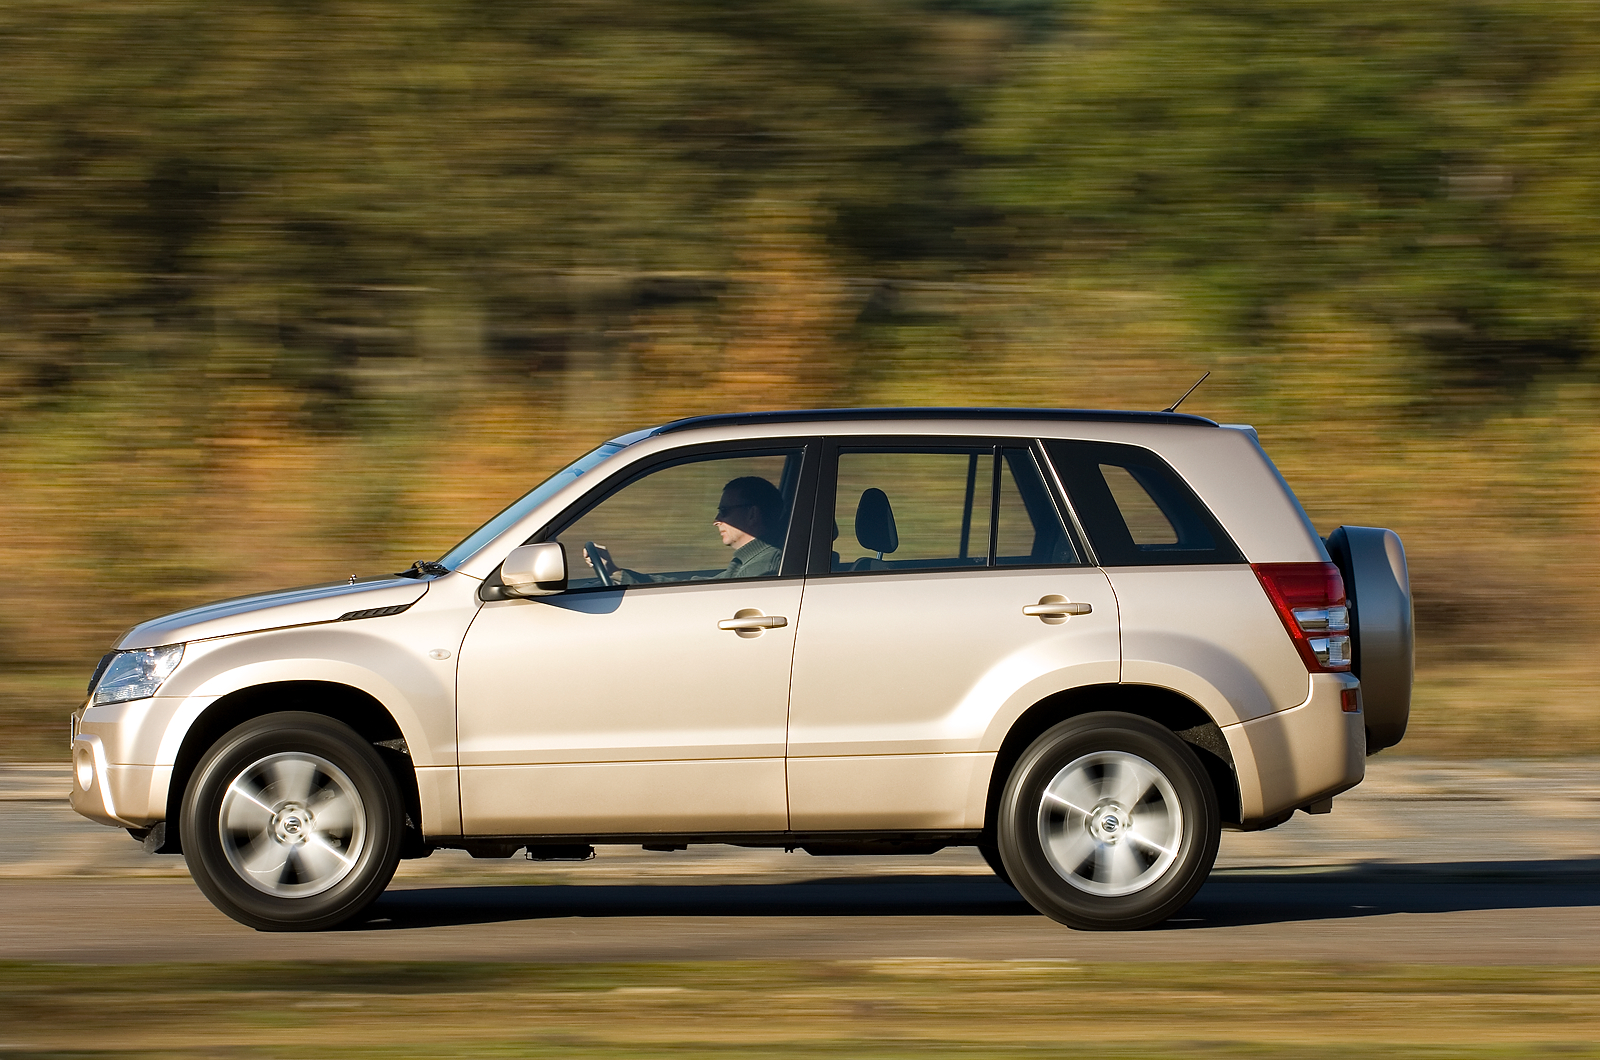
(1209, 633)
(287, 607)
(1300, 755)
(927, 663)
(388, 658)
(623, 680)
(889, 791)
(729, 794)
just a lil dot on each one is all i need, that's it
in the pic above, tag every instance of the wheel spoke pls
(1149, 844)
(1122, 864)
(294, 778)
(1059, 801)
(1072, 847)
(1126, 783)
(336, 816)
(318, 860)
(1074, 789)
(264, 857)
(243, 808)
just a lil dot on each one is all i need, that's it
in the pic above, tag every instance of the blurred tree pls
(1427, 165)
(287, 188)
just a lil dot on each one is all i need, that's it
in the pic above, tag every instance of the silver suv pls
(1083, 642)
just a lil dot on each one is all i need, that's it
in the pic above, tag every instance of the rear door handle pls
(753, 623)
(1056, 609)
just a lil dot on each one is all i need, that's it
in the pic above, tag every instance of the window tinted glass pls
(541, 493)
(912, 510)
(1138, 512)
(1028, 528)
(716, 517)
(1145, 521)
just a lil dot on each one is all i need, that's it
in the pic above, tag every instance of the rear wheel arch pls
(1185, 718)
(344, 703)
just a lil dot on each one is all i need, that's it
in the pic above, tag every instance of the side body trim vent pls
(373, 612)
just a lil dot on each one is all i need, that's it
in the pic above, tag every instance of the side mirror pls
(535, 570)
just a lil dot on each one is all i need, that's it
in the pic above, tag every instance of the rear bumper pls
(1298, 756)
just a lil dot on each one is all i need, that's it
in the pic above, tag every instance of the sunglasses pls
(724, 509)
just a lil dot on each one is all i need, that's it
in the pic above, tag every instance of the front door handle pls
(749, 622)
(1056, 609)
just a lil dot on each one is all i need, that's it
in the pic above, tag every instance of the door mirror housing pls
(535, 570)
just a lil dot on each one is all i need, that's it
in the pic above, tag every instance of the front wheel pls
(1108, 822)
(291, 822)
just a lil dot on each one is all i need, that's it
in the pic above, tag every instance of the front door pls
(916, 637)
(652, 696)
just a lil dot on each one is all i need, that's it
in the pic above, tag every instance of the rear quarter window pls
(1136, 509)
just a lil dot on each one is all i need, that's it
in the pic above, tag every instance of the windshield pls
(527, 503)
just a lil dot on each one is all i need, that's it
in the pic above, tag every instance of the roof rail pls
(739, 419)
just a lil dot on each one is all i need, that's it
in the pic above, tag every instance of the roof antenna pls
(1174, 406)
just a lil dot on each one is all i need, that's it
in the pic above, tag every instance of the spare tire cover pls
(1373, 562)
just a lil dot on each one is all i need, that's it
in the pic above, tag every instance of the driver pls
(749, 516)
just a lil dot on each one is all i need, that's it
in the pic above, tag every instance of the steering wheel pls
(598, 560)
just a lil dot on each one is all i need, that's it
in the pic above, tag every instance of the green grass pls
(897, 1008)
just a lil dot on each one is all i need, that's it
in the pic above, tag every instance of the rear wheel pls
(291, 822)
(1108, 821)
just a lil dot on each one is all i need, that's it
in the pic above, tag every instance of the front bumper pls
(91, 783)
(119, 796)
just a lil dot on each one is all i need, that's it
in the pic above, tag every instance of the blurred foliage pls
(302, 287)
(905, 1008)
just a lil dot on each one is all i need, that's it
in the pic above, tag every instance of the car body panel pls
(1211, 634)
(617, 677)
(275, 610)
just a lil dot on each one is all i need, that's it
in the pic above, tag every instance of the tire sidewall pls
(274, 734)
(1023, 851)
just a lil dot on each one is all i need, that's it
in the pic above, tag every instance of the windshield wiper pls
(423, 568)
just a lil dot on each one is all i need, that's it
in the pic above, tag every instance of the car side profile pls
(1081, 641)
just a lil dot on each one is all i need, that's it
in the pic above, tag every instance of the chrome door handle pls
(752, 623)
(1055, 609)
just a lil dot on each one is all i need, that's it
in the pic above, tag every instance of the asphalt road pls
(1485, 863)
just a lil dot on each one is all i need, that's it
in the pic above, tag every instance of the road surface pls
(1427, 862)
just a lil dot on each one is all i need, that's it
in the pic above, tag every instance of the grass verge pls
(895, 1008)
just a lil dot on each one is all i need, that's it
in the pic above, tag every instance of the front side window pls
(943, 508)
(710, 518)
(514, 513)
(1138, 512)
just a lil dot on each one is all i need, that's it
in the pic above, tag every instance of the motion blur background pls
(299, 288)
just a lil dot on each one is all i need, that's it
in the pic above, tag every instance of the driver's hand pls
(602, 553)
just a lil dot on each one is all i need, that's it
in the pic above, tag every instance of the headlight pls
(135, 674)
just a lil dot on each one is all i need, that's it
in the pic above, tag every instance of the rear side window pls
(1136, 509)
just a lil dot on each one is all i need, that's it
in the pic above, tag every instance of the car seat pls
(875, 529)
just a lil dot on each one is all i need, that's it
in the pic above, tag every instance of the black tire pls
(253, 837)
(991, 857)
(1137, 852)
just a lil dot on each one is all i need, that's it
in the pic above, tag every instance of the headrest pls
(875, 523)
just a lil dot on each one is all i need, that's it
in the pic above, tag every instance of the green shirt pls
(753, 559)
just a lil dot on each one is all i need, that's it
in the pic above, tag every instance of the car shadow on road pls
(1235, 897)
(1271, 895)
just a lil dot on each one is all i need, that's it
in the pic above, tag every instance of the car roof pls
(889, 414)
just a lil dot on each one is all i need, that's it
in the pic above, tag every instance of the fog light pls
(83, 767)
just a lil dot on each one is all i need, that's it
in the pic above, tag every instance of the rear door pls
(915, 634)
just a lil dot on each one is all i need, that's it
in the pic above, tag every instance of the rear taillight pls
(1310, 600)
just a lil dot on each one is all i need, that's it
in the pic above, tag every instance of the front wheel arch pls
(343, 703)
